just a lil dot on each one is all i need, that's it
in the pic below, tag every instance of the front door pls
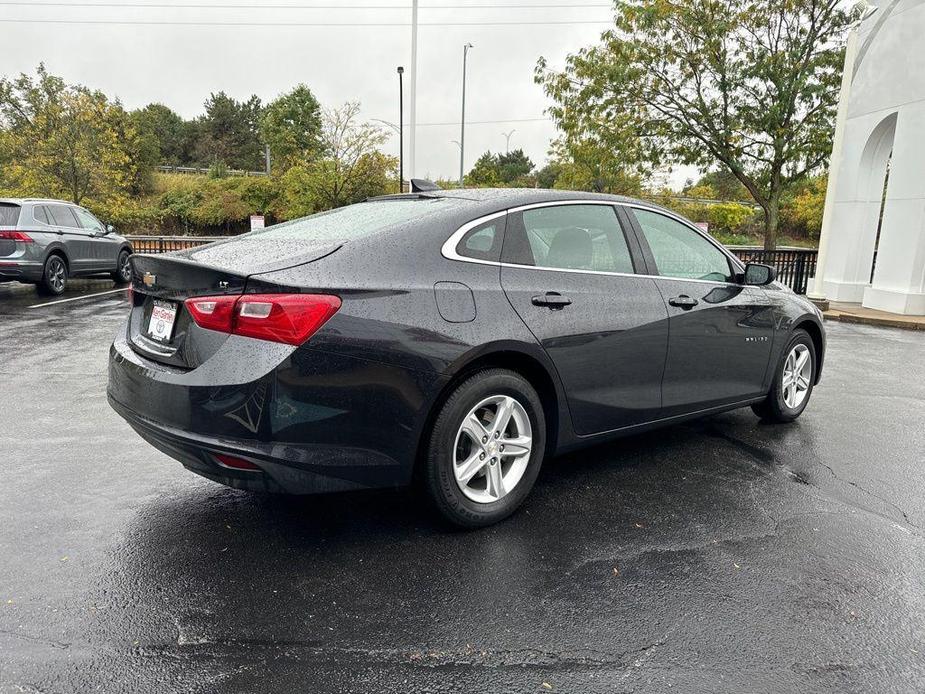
(104, 248)
(568, 271)
(719, 330)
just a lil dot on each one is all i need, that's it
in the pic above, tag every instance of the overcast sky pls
(180, 65)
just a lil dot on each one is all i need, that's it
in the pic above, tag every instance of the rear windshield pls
(353, 221)
(9, 214)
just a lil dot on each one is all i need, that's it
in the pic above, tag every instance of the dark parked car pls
(453, 337)
(45, 242)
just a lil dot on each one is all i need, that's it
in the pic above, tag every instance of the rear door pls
(76, 239)
(719, 329)
(569, 270)
(104, 250)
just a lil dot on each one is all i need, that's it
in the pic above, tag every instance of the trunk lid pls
(161, 328)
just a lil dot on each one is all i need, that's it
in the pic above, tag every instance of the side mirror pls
(759, 275)
(110, 229)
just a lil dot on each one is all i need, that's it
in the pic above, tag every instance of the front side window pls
(681, 252)
(569, 237)
(87, 220)
(62, 216)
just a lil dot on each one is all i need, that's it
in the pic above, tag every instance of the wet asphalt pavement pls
(722, 556)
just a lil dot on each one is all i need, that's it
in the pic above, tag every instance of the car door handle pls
(683, 301)
(553, 300)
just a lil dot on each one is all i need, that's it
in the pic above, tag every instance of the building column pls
(856, 211)
(899, 276)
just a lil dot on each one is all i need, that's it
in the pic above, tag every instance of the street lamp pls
(401, 140)
(462, 124)
(507, 137)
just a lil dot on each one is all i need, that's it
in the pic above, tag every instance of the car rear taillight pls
(287, 318)
(213, 312)
(20, 236)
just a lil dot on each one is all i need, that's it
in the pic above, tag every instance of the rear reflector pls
(286, 318)
(20, 236)
(236, 463)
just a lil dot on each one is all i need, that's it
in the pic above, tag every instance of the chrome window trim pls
(448, 250)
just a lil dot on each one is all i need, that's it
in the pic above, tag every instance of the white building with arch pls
(876, 246)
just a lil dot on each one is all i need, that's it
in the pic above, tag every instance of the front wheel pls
(486, 448)
(123, 273)
(793, 381)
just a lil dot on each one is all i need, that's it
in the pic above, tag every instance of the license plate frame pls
(162, 320)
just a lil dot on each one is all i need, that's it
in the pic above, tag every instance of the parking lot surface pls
(723, 555)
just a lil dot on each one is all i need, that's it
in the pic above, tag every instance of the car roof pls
(20, 201)
(495, 199)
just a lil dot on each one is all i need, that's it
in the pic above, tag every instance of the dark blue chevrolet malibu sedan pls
(456, 338)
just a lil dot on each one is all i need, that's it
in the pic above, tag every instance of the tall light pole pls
(413, 87)
(401, 139)
(462, 123)
(507, 138)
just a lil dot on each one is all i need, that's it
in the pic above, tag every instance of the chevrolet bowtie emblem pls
(149, 279)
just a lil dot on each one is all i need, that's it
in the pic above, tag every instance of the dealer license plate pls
(163, 316)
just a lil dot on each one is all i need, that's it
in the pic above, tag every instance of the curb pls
(869, 320)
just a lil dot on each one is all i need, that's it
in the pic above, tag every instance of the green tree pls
(291, 126)
(167, 130)
(229, 132)
(67, 141)
(749, 84)
(352, 168)
(594, 165)
(503, 169)
(722, 184)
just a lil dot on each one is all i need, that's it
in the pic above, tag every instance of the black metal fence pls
(165, 244)
(794, 265)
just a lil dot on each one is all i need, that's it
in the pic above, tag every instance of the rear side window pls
(40, 214)
(9, 214)
(569, 237)
(482, 242)
(62, 216)
(354, 221)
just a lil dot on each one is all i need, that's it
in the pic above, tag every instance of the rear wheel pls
(54, 277)
(123, 273)
(486, 448)
(793, 381)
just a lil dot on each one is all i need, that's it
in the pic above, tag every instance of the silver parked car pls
(45, 242)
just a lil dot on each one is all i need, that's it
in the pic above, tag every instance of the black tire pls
(54, 276)
(774, 407)
(123, 271)
(439, 478)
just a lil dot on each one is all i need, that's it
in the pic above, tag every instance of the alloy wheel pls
(57, 274)
(125, 268)
(492, 449)
(798, 370)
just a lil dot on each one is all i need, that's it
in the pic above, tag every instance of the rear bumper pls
(313, 423)
(20, 270)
